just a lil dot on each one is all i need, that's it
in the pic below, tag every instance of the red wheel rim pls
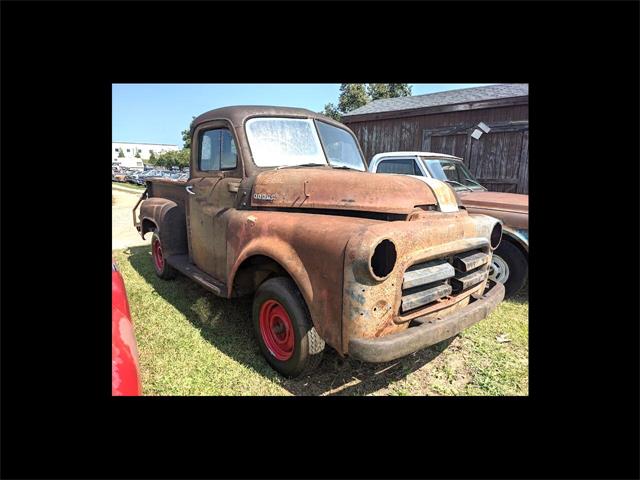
(276, 329)
(157, 255)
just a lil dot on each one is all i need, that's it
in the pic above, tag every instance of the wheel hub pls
(157, 255)
(276, 329)
(499, 269)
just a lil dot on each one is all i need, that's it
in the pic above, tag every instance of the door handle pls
(188, 189)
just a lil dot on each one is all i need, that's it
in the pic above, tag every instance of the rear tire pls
(517, 268)
(162, 268)
(284, 330)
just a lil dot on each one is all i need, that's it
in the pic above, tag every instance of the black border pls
(581, 418)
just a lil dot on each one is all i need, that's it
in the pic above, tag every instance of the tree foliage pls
(186, 136)
(355, 95)
(121, 153)
(173, 158)
(352, 96)
(330, 110)
(388, 90)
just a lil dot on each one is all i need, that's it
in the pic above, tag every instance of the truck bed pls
(169, 189)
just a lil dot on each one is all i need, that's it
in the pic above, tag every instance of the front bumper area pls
(430, 332)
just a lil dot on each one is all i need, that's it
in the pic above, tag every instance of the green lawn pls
(128, 185)
(194, 343)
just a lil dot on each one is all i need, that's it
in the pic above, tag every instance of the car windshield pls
(453, 172)
(282, 142)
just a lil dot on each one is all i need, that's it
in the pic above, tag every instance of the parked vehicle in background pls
(125, 370)
(510, 262)
(279, 205)
(119, 177)
(132, 176)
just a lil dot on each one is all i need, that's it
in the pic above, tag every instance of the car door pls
(216, 172)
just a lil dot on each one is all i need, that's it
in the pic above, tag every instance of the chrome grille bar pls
(464, 282)
(415, 300)
(428, 272)
(468, 261)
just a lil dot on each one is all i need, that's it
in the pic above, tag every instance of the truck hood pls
(336, 189)
(507, 202)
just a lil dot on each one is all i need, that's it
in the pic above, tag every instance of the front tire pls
(510, 267)
(162, 268)
(284, 330)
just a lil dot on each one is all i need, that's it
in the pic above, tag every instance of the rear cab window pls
(405, 166)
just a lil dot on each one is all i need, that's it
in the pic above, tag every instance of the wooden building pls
(486, 126)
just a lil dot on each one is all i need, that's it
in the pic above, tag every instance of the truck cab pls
(279, 205)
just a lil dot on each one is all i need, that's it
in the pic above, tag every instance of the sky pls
(157, 113)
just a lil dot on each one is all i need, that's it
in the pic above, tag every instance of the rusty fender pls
(169, 220)
(371, 305)
(310, 247)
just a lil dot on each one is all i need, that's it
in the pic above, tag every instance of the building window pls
(117, 150)
(128, 150)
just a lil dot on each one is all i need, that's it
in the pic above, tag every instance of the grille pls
(425, 283)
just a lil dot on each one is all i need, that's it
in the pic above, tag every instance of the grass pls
(193, 343)
(128, 185)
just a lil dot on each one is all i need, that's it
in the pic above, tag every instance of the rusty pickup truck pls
(279, 205)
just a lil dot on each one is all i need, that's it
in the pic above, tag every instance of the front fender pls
(310, 247)
(283, 254)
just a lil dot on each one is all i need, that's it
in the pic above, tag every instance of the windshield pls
(279, 142)
(456, 172)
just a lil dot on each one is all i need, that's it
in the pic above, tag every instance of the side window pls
(217, 150)
(405, 166)
(229, 154)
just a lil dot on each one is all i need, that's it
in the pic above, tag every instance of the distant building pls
(130, 149)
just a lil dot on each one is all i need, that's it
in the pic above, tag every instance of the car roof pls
(413, 154)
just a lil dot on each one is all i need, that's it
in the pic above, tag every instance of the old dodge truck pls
(279, 205)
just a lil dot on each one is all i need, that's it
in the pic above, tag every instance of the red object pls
(125, 378)
(276, 329)
(157, 255)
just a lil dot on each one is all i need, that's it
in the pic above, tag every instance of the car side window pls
(405, 166)
(217, 150)
(229, 154)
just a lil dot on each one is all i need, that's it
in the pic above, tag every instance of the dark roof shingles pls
(451, 97)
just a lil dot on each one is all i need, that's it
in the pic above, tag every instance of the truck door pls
(215, 175)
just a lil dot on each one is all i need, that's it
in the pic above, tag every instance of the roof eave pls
(456, 107)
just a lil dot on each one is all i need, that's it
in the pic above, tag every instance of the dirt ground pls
(123, 233)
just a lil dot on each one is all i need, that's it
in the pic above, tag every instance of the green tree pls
(378, 90)
(137, 153)
(330, 110)
(186, 136)
(174, 158)
(352, 96)
(152, 157)
(388, 90)
(355, 95)
(121, 153)
(399, 90)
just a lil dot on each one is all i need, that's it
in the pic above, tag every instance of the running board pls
(184, 266)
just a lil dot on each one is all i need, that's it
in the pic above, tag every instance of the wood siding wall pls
(499, 159)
